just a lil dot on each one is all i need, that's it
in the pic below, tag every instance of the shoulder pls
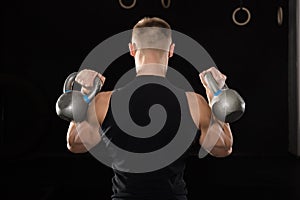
(199, 109)
(103, 96)
(102, 103)
(193, 97)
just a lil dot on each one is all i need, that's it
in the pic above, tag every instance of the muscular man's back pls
(164, 183)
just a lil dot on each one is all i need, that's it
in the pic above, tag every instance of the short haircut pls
(152, 33)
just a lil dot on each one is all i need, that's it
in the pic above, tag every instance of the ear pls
(132, 49)
(171, 50)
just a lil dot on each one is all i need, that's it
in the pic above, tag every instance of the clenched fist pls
(218, 76)
(86, 78)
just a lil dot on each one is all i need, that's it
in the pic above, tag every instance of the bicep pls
(101, 106)
(204, 117)
(86, 133)
(200, 112)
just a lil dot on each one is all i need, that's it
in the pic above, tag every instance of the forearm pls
(219, 129)
(225, 139)
(216, 136)
(84, 135)
(73, 144)
(217, 144)
(217, 139)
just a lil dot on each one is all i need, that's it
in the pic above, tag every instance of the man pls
(151, 49)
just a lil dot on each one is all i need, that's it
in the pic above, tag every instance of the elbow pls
(77, 148)
(81, 147)
(221, 152)
(82, 144)
(225, 153)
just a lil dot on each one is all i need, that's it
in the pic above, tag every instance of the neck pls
(151, 69)
(151, 64)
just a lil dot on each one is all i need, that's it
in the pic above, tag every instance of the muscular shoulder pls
(195, 97)
(103, 96)
(198, 107)
(101, 104)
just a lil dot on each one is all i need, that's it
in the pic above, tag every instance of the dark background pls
(44, 41)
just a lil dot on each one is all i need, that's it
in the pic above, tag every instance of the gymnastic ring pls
(127, 7)
(241, 23)
(164, 5)
(279, 16)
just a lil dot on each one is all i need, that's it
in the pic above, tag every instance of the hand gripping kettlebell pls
(73, 105)
(227, 105)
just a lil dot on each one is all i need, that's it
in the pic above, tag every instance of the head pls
(151, 44)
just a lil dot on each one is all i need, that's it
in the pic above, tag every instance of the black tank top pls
(144, 92)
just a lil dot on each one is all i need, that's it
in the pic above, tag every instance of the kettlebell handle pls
(96, 88)
(212, 83)
(69, 83)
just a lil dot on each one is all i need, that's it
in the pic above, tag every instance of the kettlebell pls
(227, 105)
(72, 104)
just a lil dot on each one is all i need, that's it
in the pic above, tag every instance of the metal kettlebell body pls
(227, 105)
(72, 104)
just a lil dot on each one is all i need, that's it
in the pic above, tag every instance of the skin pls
(216, 139)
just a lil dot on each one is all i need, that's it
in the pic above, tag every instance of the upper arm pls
(88, 135)
(204, 116)
(201, 114)
(101, 105)
(200, 111)
(215, 138)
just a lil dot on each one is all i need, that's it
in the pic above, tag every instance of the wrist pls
(209, 98)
